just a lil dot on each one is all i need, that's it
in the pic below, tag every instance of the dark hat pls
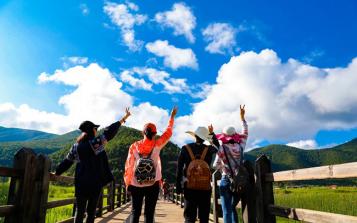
(87, 126)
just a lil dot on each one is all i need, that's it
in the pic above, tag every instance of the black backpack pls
(239, 178)
(145, 172)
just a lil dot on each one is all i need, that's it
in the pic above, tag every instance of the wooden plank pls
(264, 191)
(64, 179)
(310, 215)
(69, 220)
(339, 171)
(60, 203)
(6, 210)
(10, 172)
(42, 183)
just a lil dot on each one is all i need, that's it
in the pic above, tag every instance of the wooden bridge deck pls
(165, 212)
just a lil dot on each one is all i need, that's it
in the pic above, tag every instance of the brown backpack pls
(198, 172)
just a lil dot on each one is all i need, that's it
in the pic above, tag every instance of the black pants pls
(86, 201)
(151, 194)
(197, 200)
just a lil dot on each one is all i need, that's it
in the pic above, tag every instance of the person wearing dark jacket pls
(196, 199)
(92, 169)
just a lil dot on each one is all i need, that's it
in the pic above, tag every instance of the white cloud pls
(84, 9)
(97, 97)
(137, 83)
(173, 57)
(304, 144)
(180, 18)
(145, 112)
(124, 16)
(221, 38)
(74, 60)
(162, 78)
(286, 101)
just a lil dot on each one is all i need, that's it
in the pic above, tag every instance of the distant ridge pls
(283, 157)
(17, 134)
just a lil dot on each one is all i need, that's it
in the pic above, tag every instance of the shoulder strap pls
(203, 155)
(190, 152)
(152, 149)
(229, 163)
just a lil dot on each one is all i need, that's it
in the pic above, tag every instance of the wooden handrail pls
(310, 215)
(60, 203)
(339, 171)
(64, 179)
(6, 210)
(10, 172)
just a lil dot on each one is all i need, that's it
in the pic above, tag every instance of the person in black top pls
(92, 169)
(196, 199)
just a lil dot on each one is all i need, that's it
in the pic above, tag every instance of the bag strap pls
(203, 155)
(229, 163)
(189, 150)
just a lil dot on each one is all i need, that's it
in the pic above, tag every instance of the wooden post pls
(264, 191)
(20, 190)
(40, 193)
(217, 210)
(248, 198)
(100, 205)
(113, 195)
(110, 196)
(119, 198)
(124, 195)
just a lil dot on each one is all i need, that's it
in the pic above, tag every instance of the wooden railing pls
(29, 186)
(266, 210)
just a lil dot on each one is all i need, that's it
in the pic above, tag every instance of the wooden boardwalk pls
(165, 212)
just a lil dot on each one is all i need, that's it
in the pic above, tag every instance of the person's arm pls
(215, 142)
(179, 172)
(72, 156)
(112, 130)
(165, 137)
(244, 134)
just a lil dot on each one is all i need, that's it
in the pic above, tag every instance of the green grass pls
(61, 213)
(342, 200)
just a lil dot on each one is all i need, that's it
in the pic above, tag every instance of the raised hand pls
(127, 114)
(210, 128)
(174, 111)
(242, 112)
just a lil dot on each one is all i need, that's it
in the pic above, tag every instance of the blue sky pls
(188, 42)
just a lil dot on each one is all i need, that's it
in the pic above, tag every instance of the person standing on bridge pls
(193, 176)
(227, 160)
(143, 170)
(92, 169)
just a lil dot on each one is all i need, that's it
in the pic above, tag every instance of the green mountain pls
(283, 157)
(15, 134)
(286, 157)
(46, 146)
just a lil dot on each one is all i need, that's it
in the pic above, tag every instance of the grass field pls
(342, 200)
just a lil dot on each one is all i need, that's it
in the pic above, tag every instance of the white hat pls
(229, 130)
(201, 132)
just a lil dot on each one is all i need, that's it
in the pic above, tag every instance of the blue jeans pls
(228, 201)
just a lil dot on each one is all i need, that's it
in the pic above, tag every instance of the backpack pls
(239, 179)
(145, 172)
(198, 172)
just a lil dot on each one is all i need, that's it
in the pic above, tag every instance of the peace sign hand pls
(242, 112)
(210, 128)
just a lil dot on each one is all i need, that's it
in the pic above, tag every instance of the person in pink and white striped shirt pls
(234, 143)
